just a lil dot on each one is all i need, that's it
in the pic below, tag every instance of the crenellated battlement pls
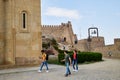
(51, 26)
(56, 27)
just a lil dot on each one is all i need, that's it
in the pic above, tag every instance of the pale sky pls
(83, 14)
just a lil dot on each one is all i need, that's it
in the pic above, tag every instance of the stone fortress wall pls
(113, 49)
(97, 44)
(59, 32)
(85, 45)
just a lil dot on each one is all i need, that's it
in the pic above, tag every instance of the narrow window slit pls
(24, 20)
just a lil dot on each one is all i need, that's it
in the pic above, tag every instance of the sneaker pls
(66, 75)
(74, 70)
(69, 73)
(47, 71)
(39, 71)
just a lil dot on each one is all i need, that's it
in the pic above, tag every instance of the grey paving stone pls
(106, 70)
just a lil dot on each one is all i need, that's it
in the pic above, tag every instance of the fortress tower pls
(59, 32)
(20, 31)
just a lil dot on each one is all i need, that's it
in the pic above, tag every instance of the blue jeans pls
(67, 68)
(42, 64)
(75, 63)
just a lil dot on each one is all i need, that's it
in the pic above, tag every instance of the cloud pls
(62, 12)
(117, 14)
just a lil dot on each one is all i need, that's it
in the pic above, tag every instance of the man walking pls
(67, 60)
(44, 62)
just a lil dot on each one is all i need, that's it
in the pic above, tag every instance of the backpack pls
(47, 56)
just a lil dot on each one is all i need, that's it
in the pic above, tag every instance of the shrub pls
(83, 56)
(54, 42)
(45, 45)
(53, 61)
(61, 57)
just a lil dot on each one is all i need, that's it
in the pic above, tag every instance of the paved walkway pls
(105, 70)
